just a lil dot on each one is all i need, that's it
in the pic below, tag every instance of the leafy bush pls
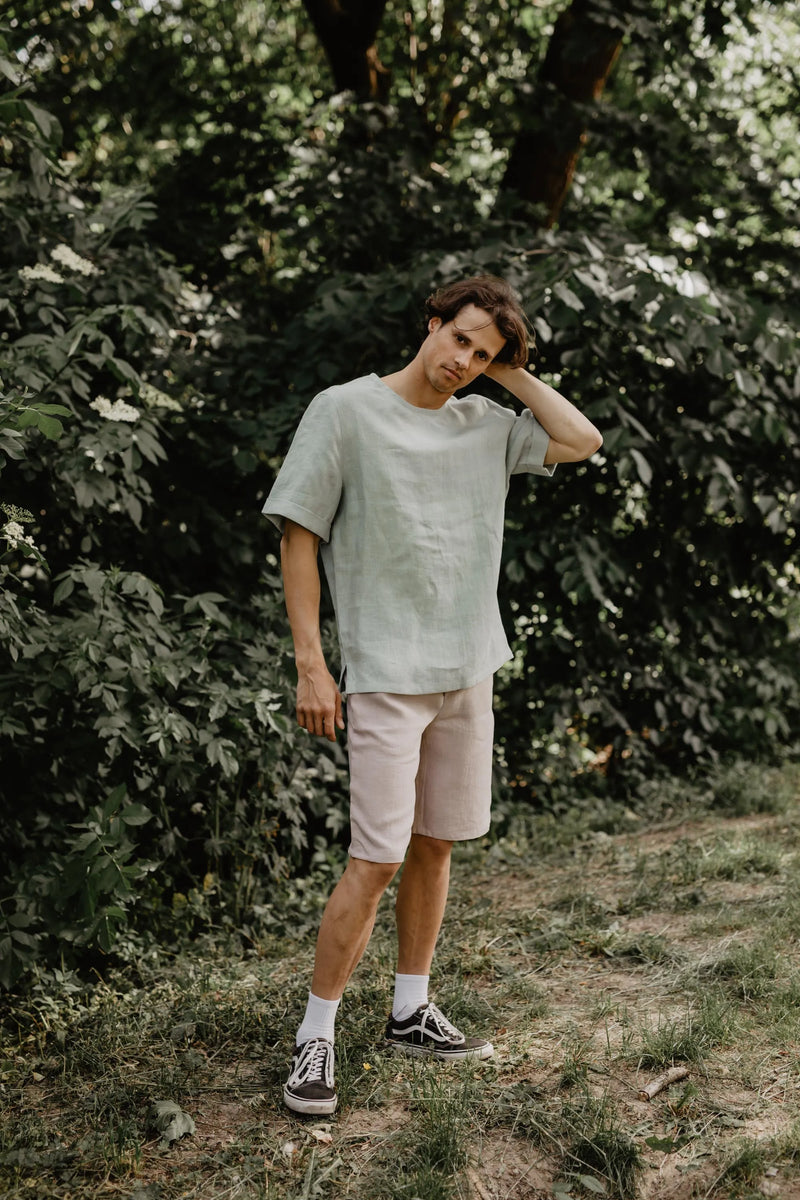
(185, 710)
(143, 725)
(177, 282)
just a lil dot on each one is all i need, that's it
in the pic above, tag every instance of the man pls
(403, 484)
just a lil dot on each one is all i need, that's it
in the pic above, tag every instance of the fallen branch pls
(657, 1085)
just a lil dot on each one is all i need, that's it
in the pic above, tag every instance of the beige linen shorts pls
(418, 764)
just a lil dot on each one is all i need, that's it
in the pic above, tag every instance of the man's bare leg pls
(421, 901)
(347, 924)
(417, 1027)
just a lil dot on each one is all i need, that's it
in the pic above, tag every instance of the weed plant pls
(583, 994)
(689, 1037)
(607, 1154)
(749, 972)
(740, 788)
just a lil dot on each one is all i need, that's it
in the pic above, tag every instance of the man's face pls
(455, 353)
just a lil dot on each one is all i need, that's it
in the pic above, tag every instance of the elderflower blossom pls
(40, 271)
(15, 513)
(15, 535)
(118, 411)
(67, 257)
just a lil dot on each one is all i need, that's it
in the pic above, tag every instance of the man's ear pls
(434, 324)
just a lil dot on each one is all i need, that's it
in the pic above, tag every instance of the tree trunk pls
(347, 31)
(577, 64)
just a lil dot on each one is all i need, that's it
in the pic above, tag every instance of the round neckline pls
(407, 403)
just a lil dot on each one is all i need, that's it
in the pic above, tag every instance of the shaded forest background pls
(213, 210)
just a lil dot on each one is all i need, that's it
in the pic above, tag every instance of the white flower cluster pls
(118, 411)
(14, 534)
(67, 257)
(40, 271)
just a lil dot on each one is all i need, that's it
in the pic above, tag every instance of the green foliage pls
(117, 675)
(187, 708)
(199, 238)
(80, 897)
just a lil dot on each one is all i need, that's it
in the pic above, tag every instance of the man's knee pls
(433, 849)
(371, 877)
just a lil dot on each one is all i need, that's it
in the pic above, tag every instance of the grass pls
(689, 1037)
(594, 962)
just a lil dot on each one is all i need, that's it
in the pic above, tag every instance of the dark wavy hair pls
(495, 297)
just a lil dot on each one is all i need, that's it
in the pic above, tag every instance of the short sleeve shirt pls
(409, 506)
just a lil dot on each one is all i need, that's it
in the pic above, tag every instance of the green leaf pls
(49, 426)
(114, 799)
(642, 466)
(7, 68)
(136, 814)
(567, 296)
(168, 1118)
(46, 122)
(666, 1145)
(592, 1185)
(55, 409)
(63, 589)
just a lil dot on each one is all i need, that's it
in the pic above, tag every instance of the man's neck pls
(412, 385)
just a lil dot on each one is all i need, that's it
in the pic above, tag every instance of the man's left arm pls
(573, 437)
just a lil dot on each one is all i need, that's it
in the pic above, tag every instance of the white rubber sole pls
(315, 1108)
(479, 1052)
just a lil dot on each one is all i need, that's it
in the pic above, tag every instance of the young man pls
(403, 484)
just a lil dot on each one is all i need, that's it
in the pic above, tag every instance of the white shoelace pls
(314, 1065)
(440, 1023)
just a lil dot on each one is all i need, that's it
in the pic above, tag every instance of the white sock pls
(319, 1021)
(410, 991)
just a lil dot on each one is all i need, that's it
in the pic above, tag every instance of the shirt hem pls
(432, 683)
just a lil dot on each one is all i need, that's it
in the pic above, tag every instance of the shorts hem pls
(454, 837)
(353, 852)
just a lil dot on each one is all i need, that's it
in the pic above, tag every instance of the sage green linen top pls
(409, 506)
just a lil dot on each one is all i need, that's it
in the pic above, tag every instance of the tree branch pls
(347, 30)
(579, 59)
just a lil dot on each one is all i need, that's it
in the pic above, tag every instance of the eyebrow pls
(466, 333)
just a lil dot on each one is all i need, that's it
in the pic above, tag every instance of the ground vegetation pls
(202, 231)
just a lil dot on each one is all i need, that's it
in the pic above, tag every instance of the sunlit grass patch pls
(606, 1153)
(782, 1015)
(742, 1172)
(689, 1037)
(741, 858)
(583, 1136)
(677, 878)
(748, 972)
(744, 787)
(578, 1057)
(438, 1138)
(583, 910)
(581, 1001)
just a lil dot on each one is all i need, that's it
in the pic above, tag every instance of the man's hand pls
(319, 703)
(500, 372)
(573, 437)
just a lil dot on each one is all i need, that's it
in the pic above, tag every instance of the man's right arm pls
(319, 704)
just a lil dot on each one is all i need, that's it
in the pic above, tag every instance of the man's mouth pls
(453, 374)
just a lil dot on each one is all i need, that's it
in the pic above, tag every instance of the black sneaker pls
(428, 1031)
(309, 1088)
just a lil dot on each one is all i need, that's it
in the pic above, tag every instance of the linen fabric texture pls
(418, 764)
(409, 505)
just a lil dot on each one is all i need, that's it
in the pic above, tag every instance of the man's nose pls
(463, 356)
